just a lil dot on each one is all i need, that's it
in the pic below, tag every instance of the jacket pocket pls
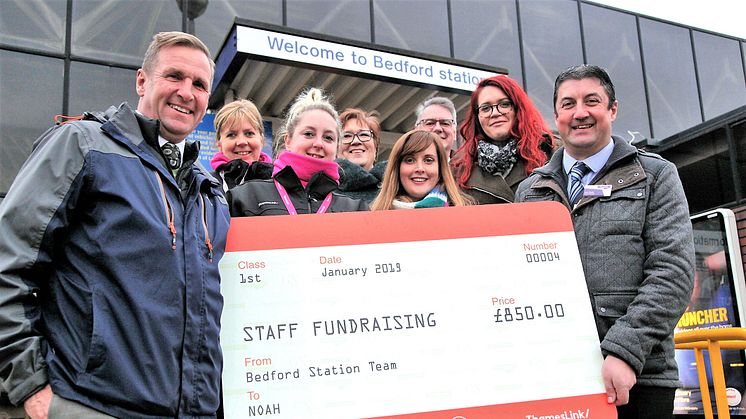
(621, 214)
(656, 362)
(635, 192)
(97, 348)
(533, 196)
(609, 307)
(625, 204)
(266, 208)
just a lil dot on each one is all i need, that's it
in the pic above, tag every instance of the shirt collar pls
(595, 162)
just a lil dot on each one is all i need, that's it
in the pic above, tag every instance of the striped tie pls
(579, 169)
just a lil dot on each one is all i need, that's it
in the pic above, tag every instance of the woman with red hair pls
(505, 138)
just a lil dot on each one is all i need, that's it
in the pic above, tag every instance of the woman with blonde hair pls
(305, 177)
(239, 134)
(418, 176)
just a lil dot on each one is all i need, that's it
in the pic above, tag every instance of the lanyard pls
(289, 204)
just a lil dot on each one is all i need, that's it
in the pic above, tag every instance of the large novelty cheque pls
(475, 312)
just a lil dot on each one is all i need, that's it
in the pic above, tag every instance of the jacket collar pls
(149, 128)
(622, 151)
(353, 177)
(621, 170)
(134, 131)
(140, 134)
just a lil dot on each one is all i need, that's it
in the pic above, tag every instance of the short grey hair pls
(168, 39)
(435, 100)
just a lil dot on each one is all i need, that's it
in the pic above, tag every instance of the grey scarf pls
(497, 160)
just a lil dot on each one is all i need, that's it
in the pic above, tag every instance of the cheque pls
(390, 317)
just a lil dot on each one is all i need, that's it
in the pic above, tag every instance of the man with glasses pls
(438, 115)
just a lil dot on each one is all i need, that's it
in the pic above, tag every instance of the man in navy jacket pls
(109, 246)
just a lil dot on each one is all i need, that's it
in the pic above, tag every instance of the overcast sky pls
(721, 16)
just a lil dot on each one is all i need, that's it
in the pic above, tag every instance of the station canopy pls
(271, 65)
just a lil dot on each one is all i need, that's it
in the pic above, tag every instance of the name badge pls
(597, 190)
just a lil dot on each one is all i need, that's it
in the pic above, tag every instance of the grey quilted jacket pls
(637, 253)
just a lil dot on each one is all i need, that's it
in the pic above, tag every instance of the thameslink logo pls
(567, 414)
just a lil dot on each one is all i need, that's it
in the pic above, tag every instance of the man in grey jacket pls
(633, 231)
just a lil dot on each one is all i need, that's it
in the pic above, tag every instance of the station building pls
(681, 90)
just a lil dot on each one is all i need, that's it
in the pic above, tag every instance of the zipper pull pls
(209, 248)
(173, 235)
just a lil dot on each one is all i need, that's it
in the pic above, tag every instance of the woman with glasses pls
(418, 176)
(305, 177)
(505, 138)
(359, 174)
(239, 133)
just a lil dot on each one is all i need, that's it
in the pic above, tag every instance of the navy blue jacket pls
(109, 283)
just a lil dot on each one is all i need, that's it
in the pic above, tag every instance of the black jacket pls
(237, 172)
(358, 183)
(260, 197)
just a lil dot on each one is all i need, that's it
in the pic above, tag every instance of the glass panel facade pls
(551, 43)
(420, 26)
(347, 19)
(743, 55)
(611, 42)
(34, 24)
(482, 31)
(27, 109)
(672, 85)
(720, 72)
(704, 165)
(486, 32)
(120, 31)
(213, 25)
(739, 140)
(96, 87)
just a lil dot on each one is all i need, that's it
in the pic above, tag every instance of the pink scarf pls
(304, 166)
(220, 159)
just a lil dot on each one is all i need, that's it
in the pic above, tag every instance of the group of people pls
(111, 233)
(327, 158)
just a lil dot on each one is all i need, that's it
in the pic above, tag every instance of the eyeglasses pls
(502, 108)
(444, 123)
(364, 136)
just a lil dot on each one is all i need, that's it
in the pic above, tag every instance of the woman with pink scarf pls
(305, 176)
(240, 137)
